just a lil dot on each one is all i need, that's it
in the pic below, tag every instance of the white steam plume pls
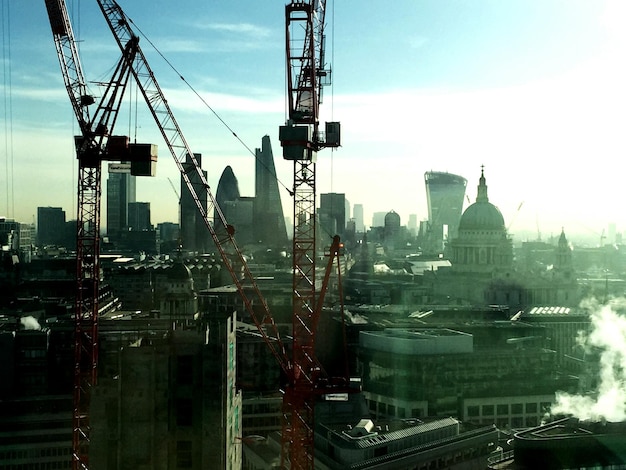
(608, 402)
(30, 323)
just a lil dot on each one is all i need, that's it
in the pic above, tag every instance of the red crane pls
(305, 377)
(95, 145)
(301, 140)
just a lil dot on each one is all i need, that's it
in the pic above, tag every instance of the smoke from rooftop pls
(30, 323)
(607, 337)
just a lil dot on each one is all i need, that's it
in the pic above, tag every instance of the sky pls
(534, 90)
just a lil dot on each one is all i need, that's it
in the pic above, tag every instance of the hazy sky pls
(535, 90)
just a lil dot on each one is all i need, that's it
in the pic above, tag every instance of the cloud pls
(247, 29)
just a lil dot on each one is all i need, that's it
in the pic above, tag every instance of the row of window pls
(504, 409)
(38, 466)
(34, 453)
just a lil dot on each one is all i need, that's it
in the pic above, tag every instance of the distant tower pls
(444, 194)
(194, 233)
(563, 261)
(50, 225)
(358, 218)
(378, 219)
(227, 192)
(332, 214)
(139, 216)
(391, 231)
(121, 191)
(269, 219)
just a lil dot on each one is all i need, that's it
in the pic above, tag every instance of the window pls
(503, 409)
(473, 411)
(488, 410)
(531, 407)
(184, 412)
(184, 369)
(183, 454)
(517, 408)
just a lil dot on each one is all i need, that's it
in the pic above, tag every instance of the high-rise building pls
(359, 221)
(269, 219)
(121, 191)
(445, 193)
(332, 213)
(139, 216)
(50, 225)
(378, 219)
(227, 191)
(194, 233)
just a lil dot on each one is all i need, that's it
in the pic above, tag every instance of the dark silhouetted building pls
(332, 213)
(50, 225)
(139, 216)
(269, 219)
(121, 191)
(194, 233)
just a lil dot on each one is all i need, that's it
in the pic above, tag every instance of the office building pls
(269, 219)
(139, 216)
(121, 191)
(445, 193)
(195, 236)
(332, 214)
(478, 372)
(357, 215)
(50, 225)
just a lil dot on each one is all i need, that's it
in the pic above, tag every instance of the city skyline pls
(532, 90)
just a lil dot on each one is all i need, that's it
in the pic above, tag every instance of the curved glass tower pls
(444, 194)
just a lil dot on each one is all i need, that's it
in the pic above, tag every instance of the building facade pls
(269, 219)
(194, 235)
(121, 191)
(445, 194)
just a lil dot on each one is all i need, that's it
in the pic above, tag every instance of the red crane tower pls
(301, 139)
(95, 145)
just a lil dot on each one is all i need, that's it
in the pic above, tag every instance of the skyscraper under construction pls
(444, 194)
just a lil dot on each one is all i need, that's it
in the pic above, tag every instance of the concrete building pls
(482, 373)
(167, 396)
(347, 438)
(564, 444)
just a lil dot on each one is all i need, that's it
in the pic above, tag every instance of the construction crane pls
(95, 145)
(301, 140)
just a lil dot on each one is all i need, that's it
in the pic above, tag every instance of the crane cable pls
(215, 113)
(8, 111)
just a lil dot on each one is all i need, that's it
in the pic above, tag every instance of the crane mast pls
(301, 139)
(94, 145)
